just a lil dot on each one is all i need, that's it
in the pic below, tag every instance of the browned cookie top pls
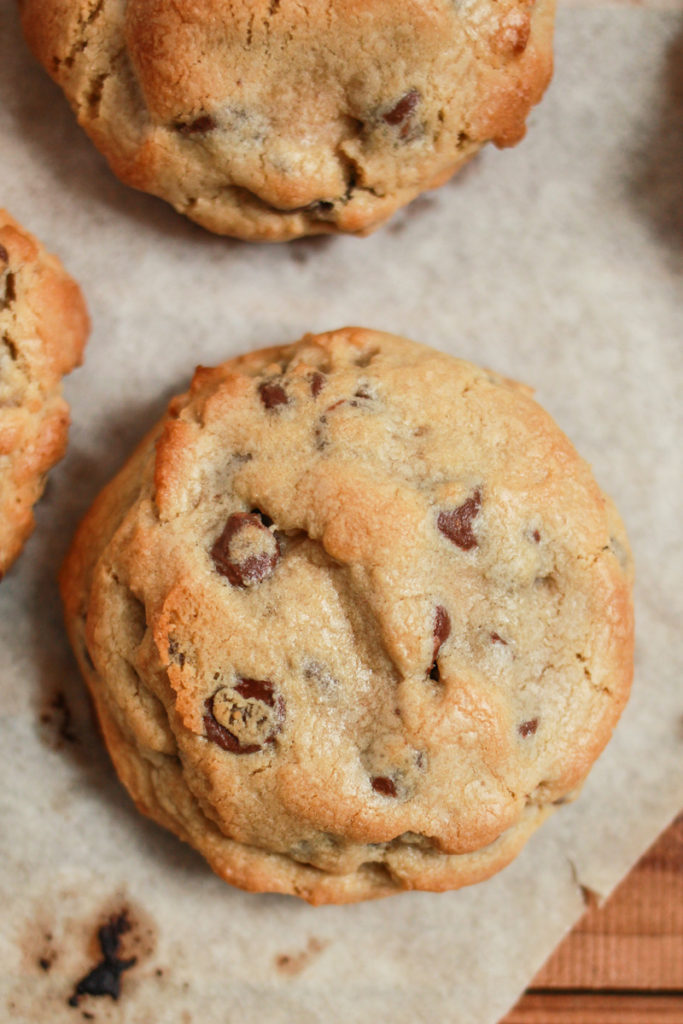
(269, 119)
(355, 617)
(43, 329)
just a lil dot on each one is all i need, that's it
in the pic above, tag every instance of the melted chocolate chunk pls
(273, 395)
(199, 126)
(246, 552)
(383, 784)
(105, 977)
(400, 114)
(4, 255)
(528, 728)
(317, 383)
(245, 717)
(457, 524)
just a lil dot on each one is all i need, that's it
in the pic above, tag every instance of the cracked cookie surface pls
(270, 119)
(43, 330)
(355, 617)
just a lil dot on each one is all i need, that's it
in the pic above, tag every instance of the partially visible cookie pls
(43, 329)
(355, 617)
(270, 119)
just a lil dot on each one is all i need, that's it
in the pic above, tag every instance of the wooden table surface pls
(622, 963)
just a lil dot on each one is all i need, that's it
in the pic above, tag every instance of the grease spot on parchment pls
(292, 964)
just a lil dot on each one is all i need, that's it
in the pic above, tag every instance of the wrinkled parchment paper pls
(559, 263)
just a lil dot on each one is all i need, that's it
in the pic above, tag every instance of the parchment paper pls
(559, 263)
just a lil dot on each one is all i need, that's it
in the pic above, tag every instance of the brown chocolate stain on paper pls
(56, 721)
(292, 964)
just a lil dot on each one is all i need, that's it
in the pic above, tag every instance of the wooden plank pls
(635, 941)
(594, 1008)
(622, 963)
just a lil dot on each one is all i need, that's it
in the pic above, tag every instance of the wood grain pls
(622, 962)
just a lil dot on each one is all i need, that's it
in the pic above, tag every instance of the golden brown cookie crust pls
(43, 330)
(269, 120)
(355, 617)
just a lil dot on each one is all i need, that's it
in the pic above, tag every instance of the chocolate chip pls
(105, 978)
(273, 395)
(4, 255)
(442, 629)
(384, 785)
(528, 728)
(10, 291)
(317, 383)
(496, 638)
(457, 524)
(244, 717)
(199, 126)
(246, 551)
(400, 114)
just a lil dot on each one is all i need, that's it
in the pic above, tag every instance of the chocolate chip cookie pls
(270, 119)
(355, 617)
(43, 330)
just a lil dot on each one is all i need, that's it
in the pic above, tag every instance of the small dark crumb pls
(528, 728)
(496, 638)
(159, 972)
(536, 537)
(87, 1016)
(44, 963)
(4, 255)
